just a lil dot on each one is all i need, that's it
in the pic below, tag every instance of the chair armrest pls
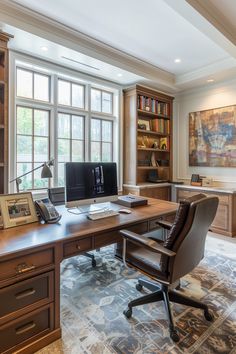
(165, 224)
(151, 245)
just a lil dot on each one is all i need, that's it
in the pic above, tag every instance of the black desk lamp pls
(46, 173)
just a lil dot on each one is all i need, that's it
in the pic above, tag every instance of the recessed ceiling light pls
(119, 75)
(177, 60)
(44, 48)
(210, 80)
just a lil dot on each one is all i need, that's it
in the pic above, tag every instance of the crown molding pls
(19, 16)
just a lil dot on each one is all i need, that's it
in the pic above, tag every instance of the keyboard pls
(96, 215)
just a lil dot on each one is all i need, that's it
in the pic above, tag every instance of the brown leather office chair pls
(57, 197)
(166, 263)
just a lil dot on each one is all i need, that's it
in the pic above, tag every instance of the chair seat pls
(145, 260)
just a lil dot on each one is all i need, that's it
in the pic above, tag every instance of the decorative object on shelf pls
(207, 181)
(140, 142)
(153, 160)
(212, 136)
(156, 144)
(45, 173)
(163, 143)
(17, 209)
(196, 180)
(144, 124)
(146, 141)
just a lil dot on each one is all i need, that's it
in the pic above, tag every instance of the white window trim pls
(31, 63)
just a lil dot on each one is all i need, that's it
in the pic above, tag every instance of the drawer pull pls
(78, 247)
(25, 328)
(23, 267)
(25, 293)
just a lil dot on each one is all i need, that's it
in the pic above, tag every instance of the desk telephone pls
(47, 211)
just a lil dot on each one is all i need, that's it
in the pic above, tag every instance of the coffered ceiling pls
(172, 45)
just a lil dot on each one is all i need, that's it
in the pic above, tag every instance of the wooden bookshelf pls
(148, 137)
(4, 38)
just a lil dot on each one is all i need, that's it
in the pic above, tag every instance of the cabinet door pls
(159, 193)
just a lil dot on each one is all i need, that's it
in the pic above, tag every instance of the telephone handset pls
(47, 211)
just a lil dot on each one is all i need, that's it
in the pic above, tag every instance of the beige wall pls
(207, 97)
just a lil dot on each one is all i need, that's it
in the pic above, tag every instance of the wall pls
(207, 97)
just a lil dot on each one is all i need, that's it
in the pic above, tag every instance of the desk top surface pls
(70, 226)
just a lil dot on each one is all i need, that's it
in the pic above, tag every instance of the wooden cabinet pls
(4, 38)
(147, 138)
(27, 290)
(224, 222)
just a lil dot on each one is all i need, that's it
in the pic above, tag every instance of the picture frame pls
(212, 135)
(144, 124)
(17, 209)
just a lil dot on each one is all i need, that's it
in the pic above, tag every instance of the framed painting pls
(212, 137)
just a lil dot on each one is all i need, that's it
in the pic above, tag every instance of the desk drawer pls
(107, 238)
(26, 264)
(75, 247)
(38, 290)
(32, 326)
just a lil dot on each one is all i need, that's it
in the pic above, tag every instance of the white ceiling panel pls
(151, 30)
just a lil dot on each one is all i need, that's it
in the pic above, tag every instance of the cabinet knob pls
(78, 247)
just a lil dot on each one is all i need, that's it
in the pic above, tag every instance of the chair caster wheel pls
(174, 336)
(208, 316)
(128, 312)
(139, 287)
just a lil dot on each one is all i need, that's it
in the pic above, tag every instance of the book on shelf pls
(149, 104)
(160, 125)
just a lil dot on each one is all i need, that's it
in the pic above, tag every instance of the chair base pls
(164, 293)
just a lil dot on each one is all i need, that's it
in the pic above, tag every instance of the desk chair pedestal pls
(164, 293)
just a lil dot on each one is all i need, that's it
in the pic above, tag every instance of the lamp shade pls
(46, 172)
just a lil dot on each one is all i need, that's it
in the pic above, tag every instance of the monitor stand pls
(92, 208)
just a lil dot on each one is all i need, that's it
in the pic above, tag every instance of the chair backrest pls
(57, 195)
(189, 240)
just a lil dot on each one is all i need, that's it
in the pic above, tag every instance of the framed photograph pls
(144, 124)
(17, 209)
(212, 136)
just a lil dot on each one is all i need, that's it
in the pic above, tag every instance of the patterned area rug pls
(93, 299)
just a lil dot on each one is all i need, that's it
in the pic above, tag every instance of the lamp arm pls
(18, 177)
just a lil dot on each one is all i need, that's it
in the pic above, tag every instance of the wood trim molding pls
(215, 17)
(19, 16)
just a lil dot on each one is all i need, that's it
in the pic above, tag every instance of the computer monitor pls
(90, 182)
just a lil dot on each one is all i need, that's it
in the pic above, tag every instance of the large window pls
(62, 118)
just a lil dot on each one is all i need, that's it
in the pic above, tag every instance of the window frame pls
(56, 72)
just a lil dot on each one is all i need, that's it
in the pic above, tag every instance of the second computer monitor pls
(90, 182)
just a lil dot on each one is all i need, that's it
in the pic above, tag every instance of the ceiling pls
(130, 41)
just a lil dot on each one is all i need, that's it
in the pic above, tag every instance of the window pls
(73, 121)
(32, 85)
(70, 94)
(101, 101)
(70, 141)
(32, 145)
(101, 140)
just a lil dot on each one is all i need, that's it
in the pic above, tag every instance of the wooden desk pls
(30, 259)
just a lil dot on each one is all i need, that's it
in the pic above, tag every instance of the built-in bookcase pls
(4, 38)
(148, 135)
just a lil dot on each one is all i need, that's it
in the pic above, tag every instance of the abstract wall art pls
(212, 137)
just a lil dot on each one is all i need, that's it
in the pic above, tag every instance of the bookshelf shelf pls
(148, 126)
(152, 149)
(151, 132)
(152, 114)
